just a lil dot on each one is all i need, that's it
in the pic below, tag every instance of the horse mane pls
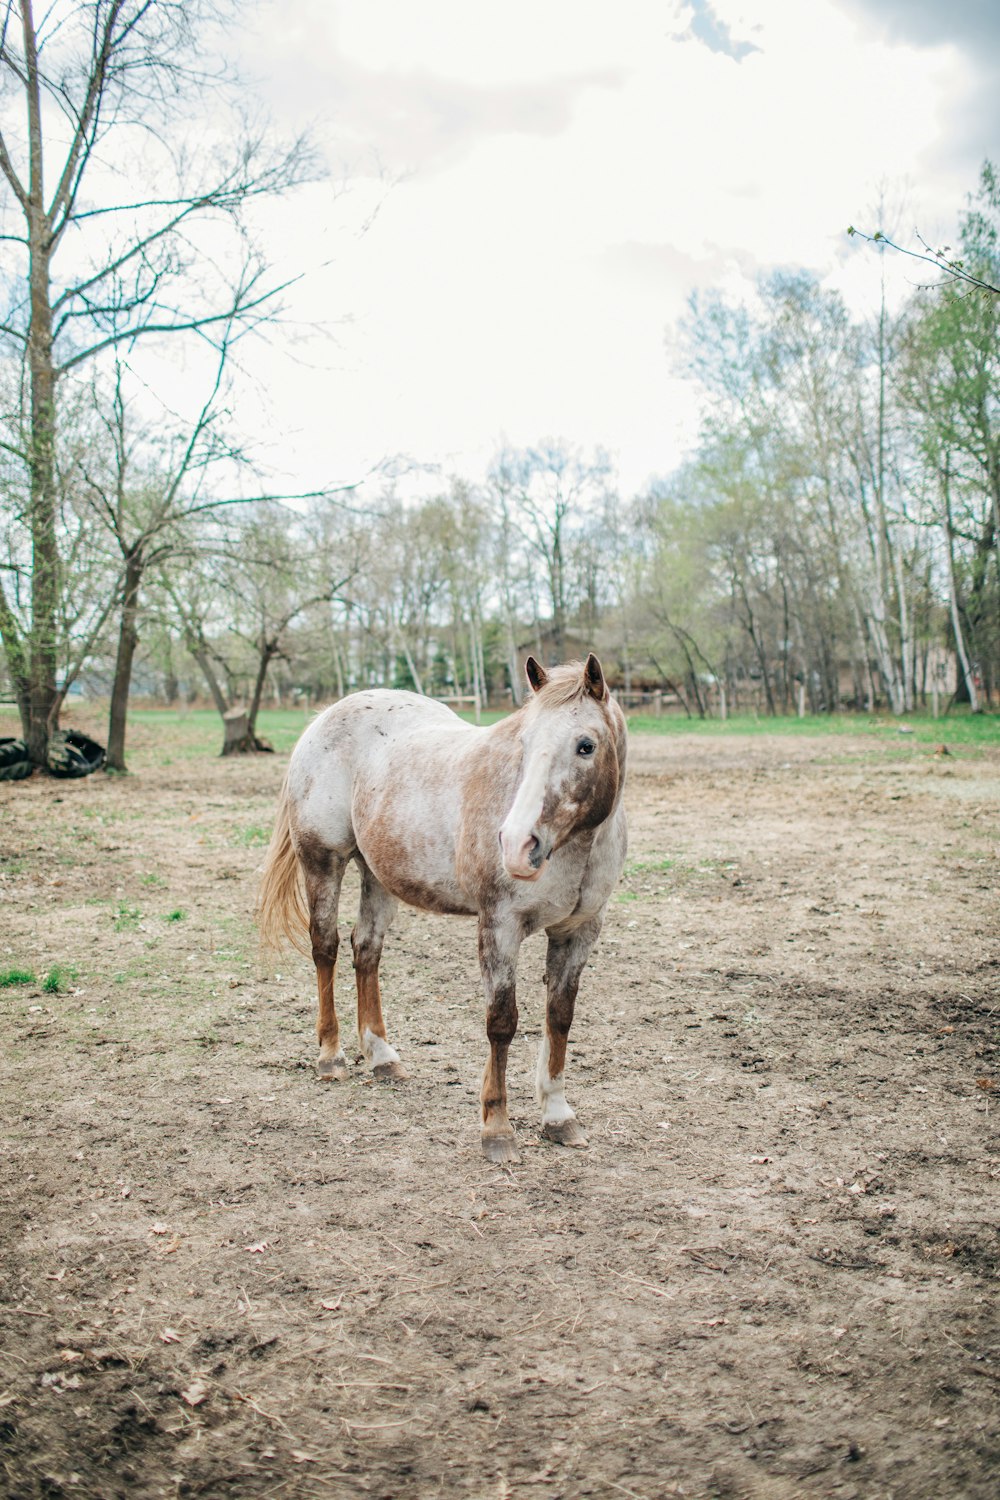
(565, 685)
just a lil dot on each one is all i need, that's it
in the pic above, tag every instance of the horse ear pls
(537, 676)
(593, 679)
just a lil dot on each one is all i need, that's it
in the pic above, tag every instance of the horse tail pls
(281, 908)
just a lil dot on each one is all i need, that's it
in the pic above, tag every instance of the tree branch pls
(953, 268)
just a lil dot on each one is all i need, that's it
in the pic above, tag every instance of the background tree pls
(550, 490)
(96, 96)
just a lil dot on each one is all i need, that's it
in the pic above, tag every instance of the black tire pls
(71, 754)
(15, 763)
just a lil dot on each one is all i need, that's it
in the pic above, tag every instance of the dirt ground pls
(773, 1273)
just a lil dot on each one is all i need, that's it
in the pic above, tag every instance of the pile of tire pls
(69, 754)
(15, 763)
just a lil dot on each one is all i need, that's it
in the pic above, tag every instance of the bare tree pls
(98, 90)
(549, 489)
(238, 597)
(158, 489)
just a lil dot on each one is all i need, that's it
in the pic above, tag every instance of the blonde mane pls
(565, 685)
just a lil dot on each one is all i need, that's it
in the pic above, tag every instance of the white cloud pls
(571, 174)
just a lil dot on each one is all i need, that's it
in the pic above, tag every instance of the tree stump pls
(237, 738)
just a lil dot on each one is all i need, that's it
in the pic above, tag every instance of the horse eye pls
(586, 747)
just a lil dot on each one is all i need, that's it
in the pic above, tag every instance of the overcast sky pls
(550, 179)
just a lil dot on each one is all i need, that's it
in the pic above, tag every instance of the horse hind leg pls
(375, 915)
(323, 883)
(564, 964)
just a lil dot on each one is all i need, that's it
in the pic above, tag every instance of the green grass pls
(58, 977)
(957, 728)
(158, 737)
(127, 918)
(188, 734)
(673, 872)
(11, 977)
(252, 836)
(661, 866)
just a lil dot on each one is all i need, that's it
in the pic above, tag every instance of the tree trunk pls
(199, 651)
(956, 621)
(17, 662)
(558, 591)
(338, 668)
(43, 708)
(750, 625)
(237, 739)
(411, 665)
(128, 639)
(268, 650)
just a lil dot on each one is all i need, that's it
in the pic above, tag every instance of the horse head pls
(572, 766)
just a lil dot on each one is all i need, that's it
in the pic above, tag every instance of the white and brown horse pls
(520, 824)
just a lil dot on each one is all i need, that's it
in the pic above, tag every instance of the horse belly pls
(344, 759)
(406, 825)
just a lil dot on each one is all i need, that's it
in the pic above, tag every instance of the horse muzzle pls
(525, 859)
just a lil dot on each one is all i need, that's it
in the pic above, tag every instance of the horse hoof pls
(500, 1148)
(566, 1133)
(389, 1071)
(333, 1069)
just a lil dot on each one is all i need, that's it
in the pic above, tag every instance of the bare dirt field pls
(773, 1273)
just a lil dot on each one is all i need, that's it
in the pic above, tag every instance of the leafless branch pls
(938, 258)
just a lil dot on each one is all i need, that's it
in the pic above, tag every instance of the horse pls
(520, 823)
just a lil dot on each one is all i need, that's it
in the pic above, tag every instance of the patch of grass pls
(154, 880)
(160, 736)
(10, 977)
(58, 976)
(649, 867)
(177, 915)
(674, 874)
(253, 836)
(959, 727)
(127, 918)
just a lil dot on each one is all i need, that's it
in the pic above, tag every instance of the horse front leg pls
(564, 963)
(499, 943)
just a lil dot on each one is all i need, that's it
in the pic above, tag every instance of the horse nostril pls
(535, 855)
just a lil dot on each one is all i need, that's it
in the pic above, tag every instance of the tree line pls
(833, 538)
